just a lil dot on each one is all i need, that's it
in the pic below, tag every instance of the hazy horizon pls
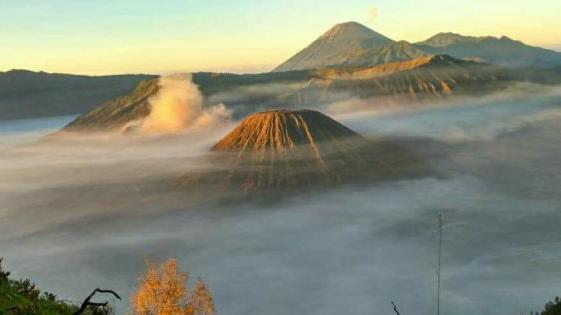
(186, 36)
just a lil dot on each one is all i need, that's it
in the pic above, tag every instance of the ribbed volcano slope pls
(283, 150)
(431, 76)
(282, 130)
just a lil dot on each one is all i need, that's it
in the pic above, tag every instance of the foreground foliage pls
(22, 297)
(163, 290)
(550, 308)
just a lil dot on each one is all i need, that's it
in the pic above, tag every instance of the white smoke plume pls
(373, 14)
(178, 107)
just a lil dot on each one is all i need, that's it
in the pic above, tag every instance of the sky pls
(166, 36)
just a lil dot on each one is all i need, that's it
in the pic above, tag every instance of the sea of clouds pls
(79, 212)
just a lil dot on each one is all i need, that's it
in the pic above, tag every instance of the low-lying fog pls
(83, 212)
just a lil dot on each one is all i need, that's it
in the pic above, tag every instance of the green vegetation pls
(550, 308)
(22, 297)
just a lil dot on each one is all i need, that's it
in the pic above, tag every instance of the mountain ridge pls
(342, 73)
(33, 94)
(502, 50)
(422, 78)
(352, 47)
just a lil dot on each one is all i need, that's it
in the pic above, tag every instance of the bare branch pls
(395, 308)
(87, 302)
(109, 291)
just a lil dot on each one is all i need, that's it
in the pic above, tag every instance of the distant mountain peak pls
(349, 24)
(353, 29)
(502, 50)
(446, 39)
(341, 43)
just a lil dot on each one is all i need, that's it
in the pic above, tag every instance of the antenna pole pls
(438, 265)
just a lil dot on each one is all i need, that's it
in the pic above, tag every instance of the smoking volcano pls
(298, 150)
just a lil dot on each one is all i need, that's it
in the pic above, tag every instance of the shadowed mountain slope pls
(119, 111)
(284, 150)
(501, 51)
(399, 51)
(27, 94)
(236, 90)
(432, 76)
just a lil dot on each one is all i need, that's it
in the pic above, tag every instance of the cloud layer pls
(79, 213)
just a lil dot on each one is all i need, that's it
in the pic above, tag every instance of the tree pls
(551, 308)
(201, 299)
(163, 290)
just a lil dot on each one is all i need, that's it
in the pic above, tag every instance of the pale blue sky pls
(124, 36)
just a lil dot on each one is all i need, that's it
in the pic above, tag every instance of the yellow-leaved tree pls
(163, 290)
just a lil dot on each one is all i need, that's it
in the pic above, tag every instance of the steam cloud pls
(178, 107)
(373, 14)
(82, 213)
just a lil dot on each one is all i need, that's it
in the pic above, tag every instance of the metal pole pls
(438, 266)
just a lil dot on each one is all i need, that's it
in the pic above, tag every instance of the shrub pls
(163, 290)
